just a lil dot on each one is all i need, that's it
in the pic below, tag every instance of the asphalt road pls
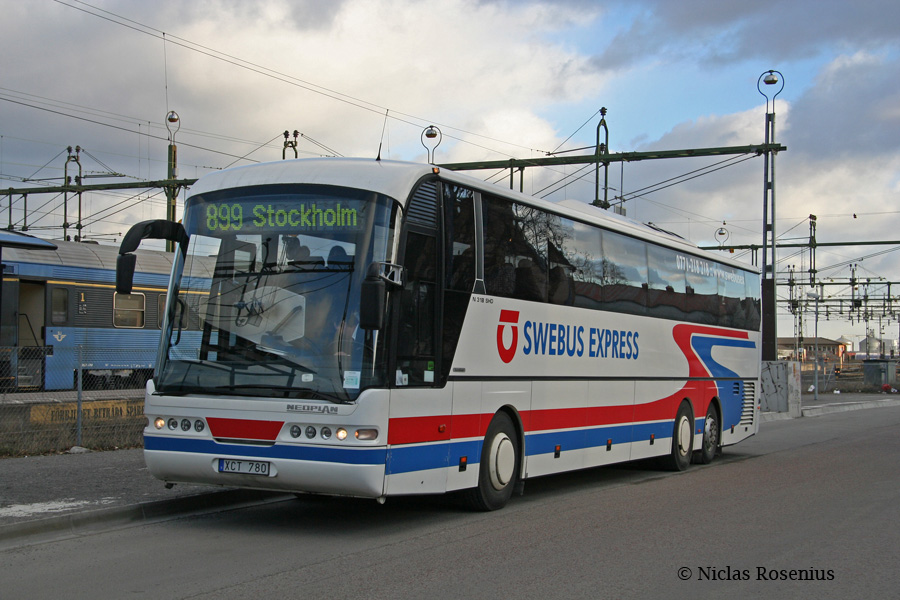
(805, 499)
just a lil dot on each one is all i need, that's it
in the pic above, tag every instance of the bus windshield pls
(267, 298)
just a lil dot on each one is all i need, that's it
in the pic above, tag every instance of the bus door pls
(420, 407)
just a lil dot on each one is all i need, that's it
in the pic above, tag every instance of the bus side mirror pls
(125, 272)
(157, 229)
(372, 299)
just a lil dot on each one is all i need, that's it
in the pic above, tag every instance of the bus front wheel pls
(499, 466)
(682, 439)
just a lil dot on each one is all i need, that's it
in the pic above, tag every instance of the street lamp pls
(773, 81)
(816, 297)
(434, 136)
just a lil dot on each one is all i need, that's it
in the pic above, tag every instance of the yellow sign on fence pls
(99, 410)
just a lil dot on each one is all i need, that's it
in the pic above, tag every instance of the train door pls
(30, 325)
(9, 301)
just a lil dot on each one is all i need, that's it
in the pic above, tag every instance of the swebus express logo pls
(557, 339)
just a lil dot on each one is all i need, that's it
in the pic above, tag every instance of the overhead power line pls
(354, 101)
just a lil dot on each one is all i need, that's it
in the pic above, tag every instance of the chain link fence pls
(53, 398)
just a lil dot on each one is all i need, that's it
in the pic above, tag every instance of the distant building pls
(876, 347)
(829, 350)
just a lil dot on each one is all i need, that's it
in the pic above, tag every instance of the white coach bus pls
(374, 328)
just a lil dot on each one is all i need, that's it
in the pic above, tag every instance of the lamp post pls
(774, 82)
(816, 297)
(602, 149)
(173, 124)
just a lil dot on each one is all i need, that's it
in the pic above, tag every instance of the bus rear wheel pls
(682, 440)
(499, 466)
(710, 436)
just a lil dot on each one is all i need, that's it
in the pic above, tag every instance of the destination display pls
(304, 215)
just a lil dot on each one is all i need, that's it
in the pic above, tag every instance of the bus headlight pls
(173, 424)
(341, 434)
(159, 423)
(326, 433)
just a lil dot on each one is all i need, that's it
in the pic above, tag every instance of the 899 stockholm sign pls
(316, 216)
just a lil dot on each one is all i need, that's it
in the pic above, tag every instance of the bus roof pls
(396, 179)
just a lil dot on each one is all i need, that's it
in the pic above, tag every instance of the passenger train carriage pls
(375, 328)
(56, 302)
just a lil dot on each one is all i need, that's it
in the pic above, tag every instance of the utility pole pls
(77, 160)
(769, 319)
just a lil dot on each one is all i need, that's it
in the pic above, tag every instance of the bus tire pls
(711, 436)
(682, 439)
(499, 466)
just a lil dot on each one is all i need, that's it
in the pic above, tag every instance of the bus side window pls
(416, 343)
(624, 267)
(460, 223)
(459, 265)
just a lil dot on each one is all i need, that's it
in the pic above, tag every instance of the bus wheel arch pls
(712, 434)
(500, 466)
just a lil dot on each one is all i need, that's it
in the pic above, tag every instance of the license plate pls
(247, 467)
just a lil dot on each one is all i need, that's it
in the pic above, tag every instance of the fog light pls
(341, 434)
(199, 426)
(310, 432)
(326, 433)
(185, 425)
(173, 424)
(159, 423)
(296, 431)
(366, 434)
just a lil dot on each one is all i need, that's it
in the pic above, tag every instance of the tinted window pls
(59, 306)
(624, 273)
(128, 310)
(665, 296)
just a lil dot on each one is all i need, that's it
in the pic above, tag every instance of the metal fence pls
(52, 399)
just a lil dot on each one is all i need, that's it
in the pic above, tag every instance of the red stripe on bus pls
(244, 429)
(418, 430)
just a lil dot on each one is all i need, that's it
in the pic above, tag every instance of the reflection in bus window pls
(702, 299)
(665, 295)
(624, 273)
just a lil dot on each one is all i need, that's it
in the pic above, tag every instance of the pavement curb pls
(81, 523)
(839, 407)
(827, 409)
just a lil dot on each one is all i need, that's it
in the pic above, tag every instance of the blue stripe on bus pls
(408, 459)
(363, 456)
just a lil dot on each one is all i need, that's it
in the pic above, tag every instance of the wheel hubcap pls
(712, 433)
(502, 461)
(684, 436)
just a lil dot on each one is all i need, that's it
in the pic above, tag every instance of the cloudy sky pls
(501, 79)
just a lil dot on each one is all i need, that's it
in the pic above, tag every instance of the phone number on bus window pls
(231, 217)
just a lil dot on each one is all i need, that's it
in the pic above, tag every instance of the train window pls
(128, 310)
(161, 312)
(59, 306)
